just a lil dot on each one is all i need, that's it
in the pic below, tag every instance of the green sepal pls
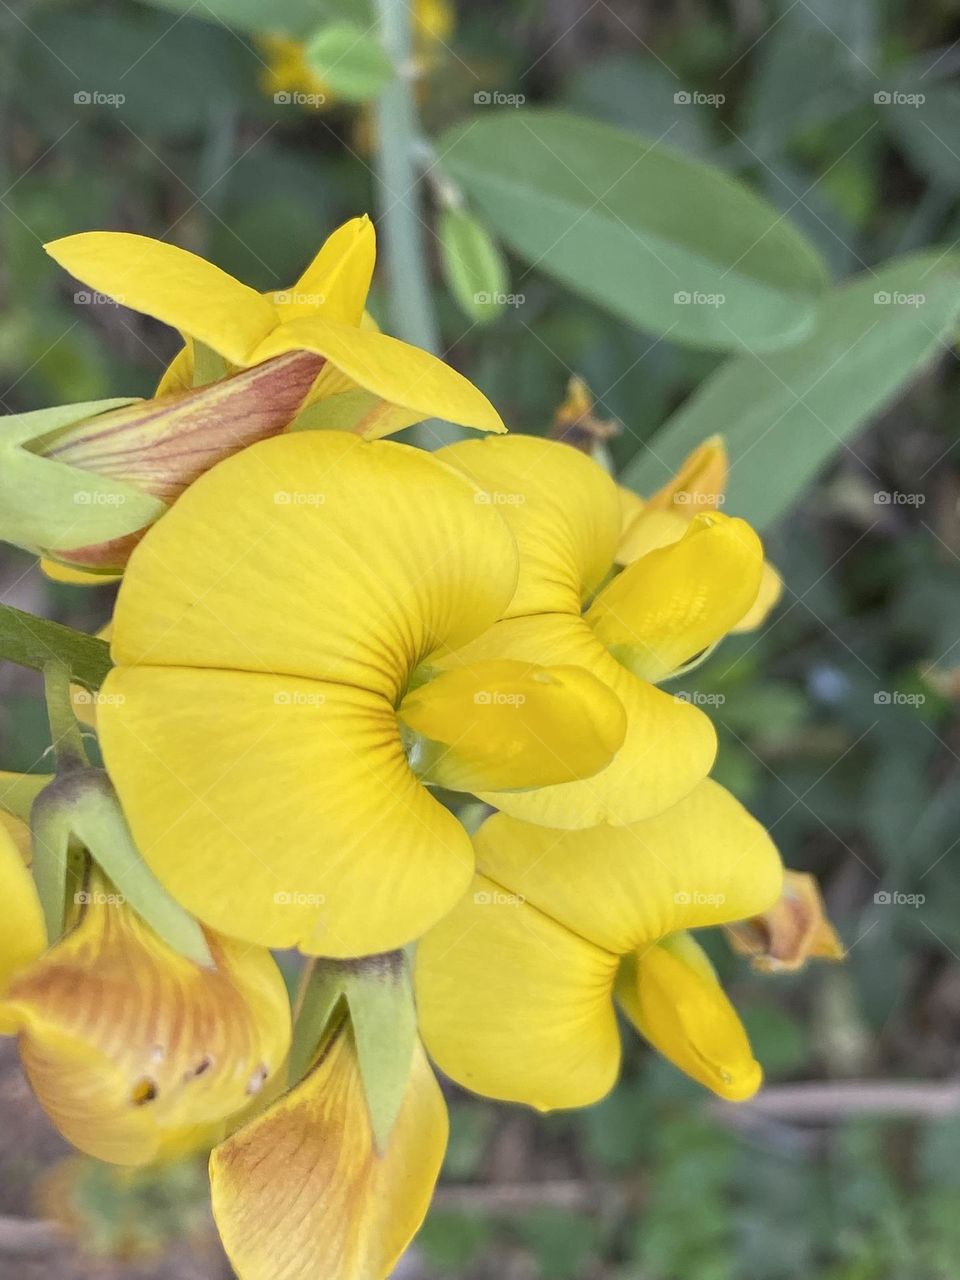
(321, 995)
(33, 642)
(208, 365)
(350, 60)
(45, 503)
(18, 792)
(81, 806)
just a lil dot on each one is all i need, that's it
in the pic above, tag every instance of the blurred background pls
(838, 722)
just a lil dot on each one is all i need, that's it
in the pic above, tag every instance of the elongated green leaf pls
(291, 17)
(784, 415)
(48, 504)
(350, 59)
(472, 264)
(34, 642)
(670, 244)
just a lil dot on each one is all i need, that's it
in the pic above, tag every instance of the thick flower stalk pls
(631, 629)
(516, 986)
(277, 708)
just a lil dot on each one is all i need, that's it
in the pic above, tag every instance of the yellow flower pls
(134, 1052)
(698, 486)
(638, 629)
(516, 985)
(266, 726)
(302, 1191)
(368, 382)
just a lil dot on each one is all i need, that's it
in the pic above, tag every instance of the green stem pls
(65, 733)
(400, 199)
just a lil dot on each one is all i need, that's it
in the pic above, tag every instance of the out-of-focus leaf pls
(620, 219)
(784, 415)
(923, 121)
(472, 264)
(290, 17)
(350, 59)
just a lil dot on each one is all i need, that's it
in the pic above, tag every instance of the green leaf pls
(473, 266)
(290, 17)
(622, 219)
(34, 642)
(784, 415)
(48, 504)
(350, 59)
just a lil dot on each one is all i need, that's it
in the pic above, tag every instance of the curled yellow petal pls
(771, 589)
(673, 997)
(171, 285)
(131, 1048)
(700, 481)
(673, 603)
(301, 1192)
(506, 725)
(792, 931)
(337, 281)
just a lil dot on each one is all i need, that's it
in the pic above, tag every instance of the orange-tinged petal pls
(673, 603)
(515, 1006)
(673, 997)
(562, 507)
(504, 725)
(171, 285)
(301, 1192)
(792, 931)
(129, 1046)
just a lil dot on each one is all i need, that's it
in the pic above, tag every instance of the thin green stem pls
(65, 733)
(400, 199)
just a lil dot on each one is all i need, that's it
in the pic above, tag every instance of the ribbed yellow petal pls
(281, 810)
(673, 997)
(503, 724)
(670, 605)
(514, 1006)
(704, 862)
(649, 530)
(23, 936)
(301, 1193)
(563, 509)
(771, 589)
(668, 748)
(171, 285)
(700, 481)
(394, 371)
(129, 1046)
(337, 281)
(320, 555)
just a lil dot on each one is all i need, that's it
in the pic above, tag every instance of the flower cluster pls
(323, 644)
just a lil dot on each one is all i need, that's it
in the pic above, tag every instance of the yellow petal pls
(337, 281)
(705, 861)
(514, 1006)
(301, 1192)
(700, 482)
(126, 1043)
(57, 572)
(504, 724)
(631, 506)
(320, 555)
(394, 371)
(563, 510)
(771, 589)
(171, 285)
(668, 748)
(648, 530)
(792, 931)
(24, 934)
(178, 375)
(667, 607)
(674, 999)
(281, 810)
